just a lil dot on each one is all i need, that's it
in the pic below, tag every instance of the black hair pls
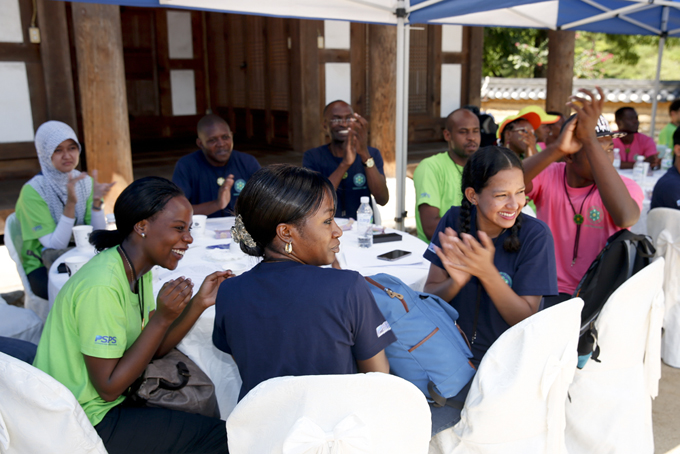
(143, 199)
(209, 121)
(276, 194)
(618, 115)
(675, 106)
(481, 166)
(328, 106)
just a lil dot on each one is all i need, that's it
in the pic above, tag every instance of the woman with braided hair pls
(490, 261)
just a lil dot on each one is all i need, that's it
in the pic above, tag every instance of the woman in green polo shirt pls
(55, 200)
(105, 326)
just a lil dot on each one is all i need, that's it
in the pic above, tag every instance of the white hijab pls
(50, 183)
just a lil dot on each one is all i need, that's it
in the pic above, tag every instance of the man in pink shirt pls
(583, 199)
(634, 143)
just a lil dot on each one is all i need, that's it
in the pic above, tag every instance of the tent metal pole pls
(662, 42)
(404, 128)
(400, 148)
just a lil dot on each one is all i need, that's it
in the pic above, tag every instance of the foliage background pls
(516, 52)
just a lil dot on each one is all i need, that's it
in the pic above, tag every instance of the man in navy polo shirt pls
(354, 168)
(213, 177)
(667, 190)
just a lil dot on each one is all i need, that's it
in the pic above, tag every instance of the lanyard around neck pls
(578, 217)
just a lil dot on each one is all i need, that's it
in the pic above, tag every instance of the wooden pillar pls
(475, 57)
(560, 70)
(101, 78)
(305, 91)
(383, 92)
(55, 52)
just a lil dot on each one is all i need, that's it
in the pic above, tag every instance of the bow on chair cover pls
(350, 436)
(669, 249)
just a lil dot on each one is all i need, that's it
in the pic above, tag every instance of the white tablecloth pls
(640, 226)
(199, 261)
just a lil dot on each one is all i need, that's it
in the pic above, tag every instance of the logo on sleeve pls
(383, 328)
(424, 195)
(506, 277)
(239, 184)
(37, 227)
(105, 340)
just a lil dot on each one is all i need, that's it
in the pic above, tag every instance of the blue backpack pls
(431, 351)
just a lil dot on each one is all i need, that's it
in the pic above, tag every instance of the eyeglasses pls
(522, 131)
(342, 121)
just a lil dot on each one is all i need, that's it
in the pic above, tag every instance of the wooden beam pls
(475, 56)
(305, 89)
(560, 78)
(101, 78)
(383, 91)
(358, 68)
(56, 59)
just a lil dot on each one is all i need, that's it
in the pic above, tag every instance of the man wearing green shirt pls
(437, 179)
(666, 134)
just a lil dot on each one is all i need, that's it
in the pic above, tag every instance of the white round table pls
(199, 261)
(640, 226)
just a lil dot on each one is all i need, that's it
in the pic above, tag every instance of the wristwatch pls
(369, 163)
(101, 204)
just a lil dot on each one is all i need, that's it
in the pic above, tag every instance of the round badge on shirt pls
(506, 277)
(239, 184)
(359, 179)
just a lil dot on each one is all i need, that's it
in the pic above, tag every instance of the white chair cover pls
(663, 225)
(39, 415)
(340, 414)
(610, 410)
(516, 401)
(19, 323)
(13, 241)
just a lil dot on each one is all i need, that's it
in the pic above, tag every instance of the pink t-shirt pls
(642, 145)
(553, 208)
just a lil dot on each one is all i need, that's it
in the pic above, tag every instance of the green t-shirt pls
(437, 180)
(95, 314)
(36, 221)
(666, 135)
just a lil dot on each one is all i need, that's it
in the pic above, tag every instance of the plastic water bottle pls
(617, 158)
(639, 172)
(365, 223)
(667, 159)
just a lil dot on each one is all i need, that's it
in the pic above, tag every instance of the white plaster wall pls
(183, 92)
(16, 117)
(336, 34)
(452, 38)
(180, 38)
(10, 22)
(338, 82)
(450, 89)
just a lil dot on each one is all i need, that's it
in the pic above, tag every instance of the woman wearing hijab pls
(55, 200)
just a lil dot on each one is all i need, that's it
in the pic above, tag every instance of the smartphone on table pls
(394, 255)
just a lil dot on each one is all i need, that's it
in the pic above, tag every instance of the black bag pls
(177, 383)
(624, 255)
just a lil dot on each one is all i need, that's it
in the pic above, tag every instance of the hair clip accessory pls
(239, 233)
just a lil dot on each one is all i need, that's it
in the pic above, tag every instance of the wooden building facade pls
(124, 76)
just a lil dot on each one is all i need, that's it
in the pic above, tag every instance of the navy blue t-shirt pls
(198, 178)
(667, 190)
(286, 318)
(353, 185)
(530, 271)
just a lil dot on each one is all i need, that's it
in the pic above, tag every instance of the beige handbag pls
(175, 382)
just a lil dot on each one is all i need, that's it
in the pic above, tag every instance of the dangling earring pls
(288, 248)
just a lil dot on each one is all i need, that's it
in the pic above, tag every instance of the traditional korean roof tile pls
(616, 90)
